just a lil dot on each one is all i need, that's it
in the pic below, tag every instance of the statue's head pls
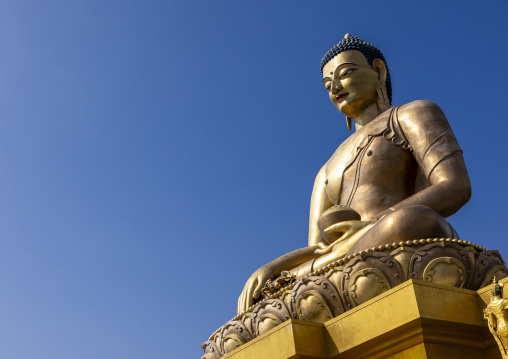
(497, 288)
(355, 75)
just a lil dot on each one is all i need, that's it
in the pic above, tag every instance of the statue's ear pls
(380, 67)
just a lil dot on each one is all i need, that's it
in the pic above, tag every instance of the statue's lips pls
(341, 96)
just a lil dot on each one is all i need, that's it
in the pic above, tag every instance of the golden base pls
(413, 320)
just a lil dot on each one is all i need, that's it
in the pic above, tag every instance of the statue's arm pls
(449, 189)
(319, 202)
(256, 282)
(439, 157)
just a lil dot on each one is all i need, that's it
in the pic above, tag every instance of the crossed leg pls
(408, 223)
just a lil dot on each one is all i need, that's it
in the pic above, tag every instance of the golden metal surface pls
(401, 261)
(496, 314)
(396, 178)
(424, 319)
(415, 320)
(292, 339)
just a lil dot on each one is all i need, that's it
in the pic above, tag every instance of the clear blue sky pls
(153, 154)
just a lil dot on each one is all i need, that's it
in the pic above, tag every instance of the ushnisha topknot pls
(368, 50)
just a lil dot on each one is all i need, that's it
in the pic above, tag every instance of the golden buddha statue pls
(496, 314)
(394, 179)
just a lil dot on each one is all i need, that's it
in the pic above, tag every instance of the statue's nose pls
(336, 87)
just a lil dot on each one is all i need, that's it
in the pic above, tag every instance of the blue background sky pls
(153, 154)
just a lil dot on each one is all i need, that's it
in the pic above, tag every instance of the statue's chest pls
(363, 160)
(336, 167)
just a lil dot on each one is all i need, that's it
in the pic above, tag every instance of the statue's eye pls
(346, 73)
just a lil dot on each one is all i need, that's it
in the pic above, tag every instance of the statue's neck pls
(369, 114)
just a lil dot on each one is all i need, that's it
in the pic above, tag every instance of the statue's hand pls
(345, 231)
(252, 289)
(348, 228)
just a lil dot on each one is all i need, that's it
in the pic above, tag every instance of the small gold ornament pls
(496, 314)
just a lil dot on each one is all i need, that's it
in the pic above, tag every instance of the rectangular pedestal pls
(413, 320)
(291, 339)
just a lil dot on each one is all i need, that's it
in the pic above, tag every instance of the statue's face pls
(351, 82)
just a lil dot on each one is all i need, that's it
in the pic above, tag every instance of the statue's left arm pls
(439, 158)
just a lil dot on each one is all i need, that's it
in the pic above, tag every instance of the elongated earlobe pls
(349, 121)
(383, 96)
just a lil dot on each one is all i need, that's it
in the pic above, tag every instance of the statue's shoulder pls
(421, 115)
(423, 107)
(409, 117)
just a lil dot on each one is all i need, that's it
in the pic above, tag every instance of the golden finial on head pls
(347, 36)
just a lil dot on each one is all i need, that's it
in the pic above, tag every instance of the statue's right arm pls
(256, 282)
(319, 203)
